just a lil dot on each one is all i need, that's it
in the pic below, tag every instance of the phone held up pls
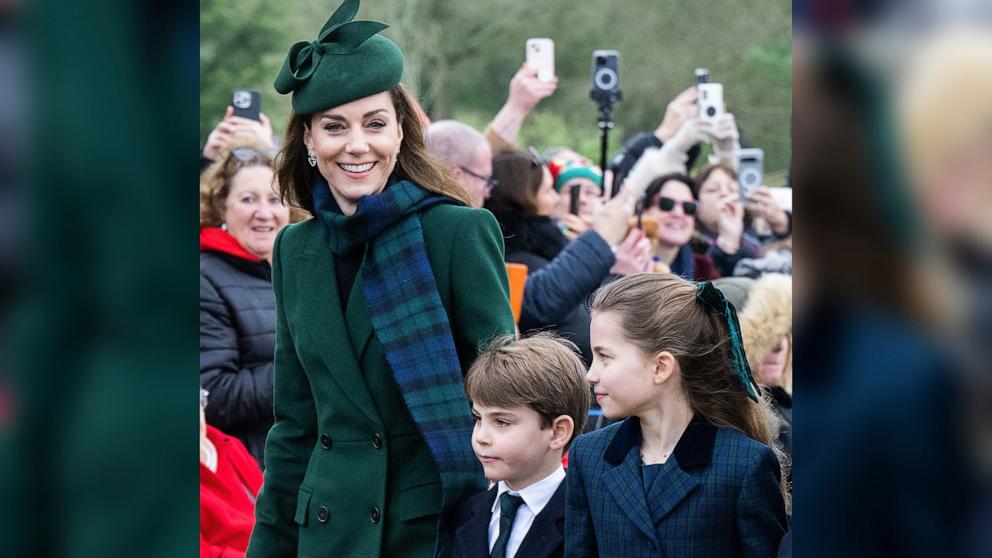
(540, 55)
(702, 75)
(605, 77)
(573, 199)
(750, 170)
(247, 103)
(710, 100)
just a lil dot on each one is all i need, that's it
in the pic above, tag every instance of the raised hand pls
(761, 203)
(633, 254)
(730, 224)
(235, 126)
(526, 90)
(679, 109)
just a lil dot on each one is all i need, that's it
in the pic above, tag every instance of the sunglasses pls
(250, 155)
(489, 180)
(535, 158)
(668, 204)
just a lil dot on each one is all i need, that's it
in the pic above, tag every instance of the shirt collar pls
(537, 495)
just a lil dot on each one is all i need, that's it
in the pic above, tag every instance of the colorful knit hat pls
(577, 171)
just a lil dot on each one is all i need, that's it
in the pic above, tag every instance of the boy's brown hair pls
(542, 372)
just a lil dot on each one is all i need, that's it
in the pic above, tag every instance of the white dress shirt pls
(535, 497)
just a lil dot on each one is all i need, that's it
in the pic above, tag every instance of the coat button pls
(377, 440)
(322, 514)
(375, 515)
(325, 441)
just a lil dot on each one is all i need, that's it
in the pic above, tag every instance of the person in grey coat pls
(240, 214)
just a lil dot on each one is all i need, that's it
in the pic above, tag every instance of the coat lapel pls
(547, 532)
(674, 483)
(325, 324)
(668, 489)
(624, 483)
(472, 537)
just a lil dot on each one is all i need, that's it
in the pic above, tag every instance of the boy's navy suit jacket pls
(544, 539)
(718, 496)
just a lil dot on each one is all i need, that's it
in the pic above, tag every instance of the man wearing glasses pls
(467, 153)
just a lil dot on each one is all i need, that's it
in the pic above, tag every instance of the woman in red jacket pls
(229, 484)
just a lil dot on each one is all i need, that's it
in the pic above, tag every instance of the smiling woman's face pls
(356, 145)
(674, 226)
(254, 211)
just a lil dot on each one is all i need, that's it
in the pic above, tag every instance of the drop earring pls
(223, 226)
(312, 158)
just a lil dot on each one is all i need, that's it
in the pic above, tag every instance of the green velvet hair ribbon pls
(715, 301)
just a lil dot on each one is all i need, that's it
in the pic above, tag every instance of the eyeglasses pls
(490, 181)
(668, 204)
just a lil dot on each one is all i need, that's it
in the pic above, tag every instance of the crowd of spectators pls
(673, 213)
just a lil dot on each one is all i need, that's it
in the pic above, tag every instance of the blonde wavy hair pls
(215, 181)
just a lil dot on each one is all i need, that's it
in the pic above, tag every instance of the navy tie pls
(508, 505)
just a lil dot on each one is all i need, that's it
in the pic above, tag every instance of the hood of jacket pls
(766, 317)
(213, 239)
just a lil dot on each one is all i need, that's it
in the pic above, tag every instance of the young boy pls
(529, 397)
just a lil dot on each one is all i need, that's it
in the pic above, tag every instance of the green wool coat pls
(347, 472)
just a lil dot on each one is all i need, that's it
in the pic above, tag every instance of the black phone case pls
(573, 202)
(253, 112)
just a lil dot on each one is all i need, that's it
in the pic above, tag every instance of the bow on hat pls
(339, 35)
(711, 296)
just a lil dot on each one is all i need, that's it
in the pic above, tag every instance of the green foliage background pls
(460, 56)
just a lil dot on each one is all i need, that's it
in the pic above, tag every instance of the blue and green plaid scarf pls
(410, 321)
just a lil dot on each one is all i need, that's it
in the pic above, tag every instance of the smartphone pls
(247, 103)
(702, 75)
(750, 170)
(541, 56)
(605, 75)
(573, 199)
(710, 100)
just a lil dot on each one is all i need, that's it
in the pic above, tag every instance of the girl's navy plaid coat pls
(719, 496)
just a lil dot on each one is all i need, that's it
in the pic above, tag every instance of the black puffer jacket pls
(237, 339)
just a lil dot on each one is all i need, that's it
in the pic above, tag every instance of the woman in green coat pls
(382, 300)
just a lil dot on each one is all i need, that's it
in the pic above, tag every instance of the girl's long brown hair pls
(296, 176)
(659, 312)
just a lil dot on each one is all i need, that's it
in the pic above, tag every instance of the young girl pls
(690, 472)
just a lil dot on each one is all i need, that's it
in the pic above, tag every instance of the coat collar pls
(213, 239)
(694, 448)
(325, 320)
(624, 481)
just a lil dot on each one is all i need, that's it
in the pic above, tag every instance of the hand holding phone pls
(751, 170)
(540, 55)
(710, 100)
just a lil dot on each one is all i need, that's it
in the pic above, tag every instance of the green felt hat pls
(348, 61)
(577, 171)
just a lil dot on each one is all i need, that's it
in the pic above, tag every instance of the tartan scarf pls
(409, 320)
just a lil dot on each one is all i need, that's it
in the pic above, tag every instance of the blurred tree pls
(460, 57)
